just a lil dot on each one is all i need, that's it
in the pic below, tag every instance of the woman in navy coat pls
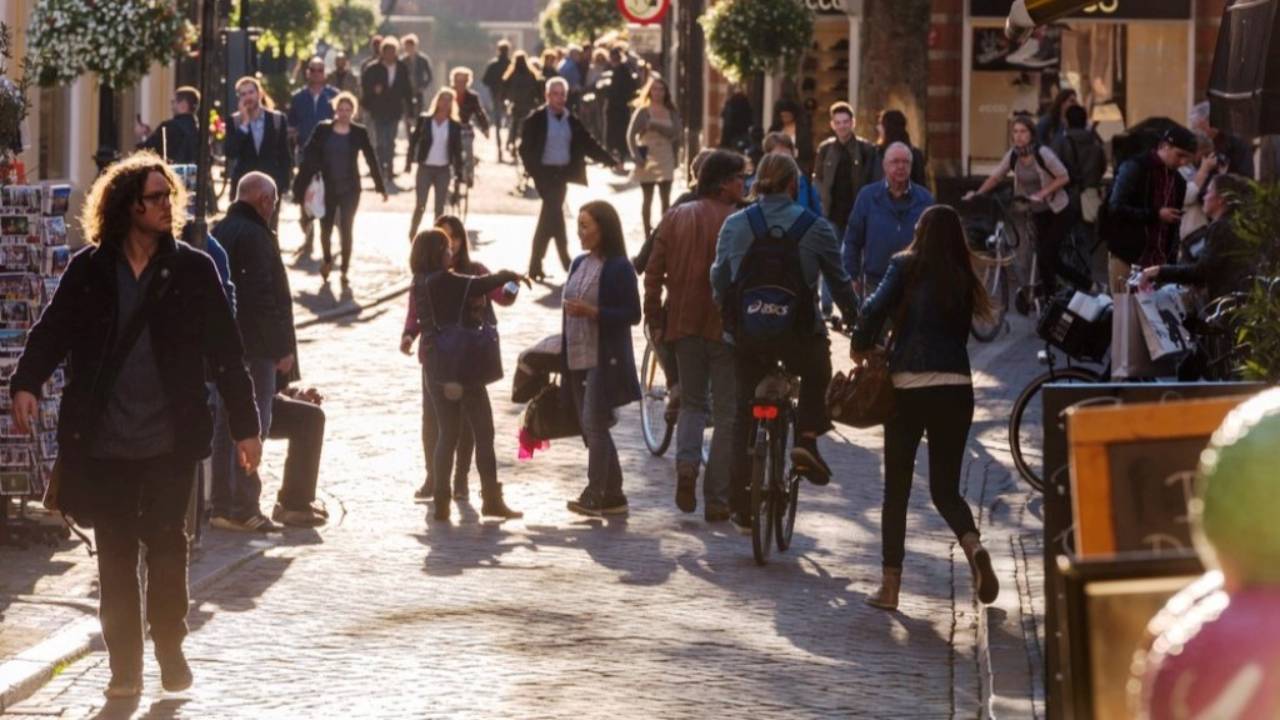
(601, 305)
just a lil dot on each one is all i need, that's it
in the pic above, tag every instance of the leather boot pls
(686, 486)
(985, 583)
(886, 598)
(495, 506)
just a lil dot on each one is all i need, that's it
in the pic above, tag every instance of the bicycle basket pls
(1080, 339)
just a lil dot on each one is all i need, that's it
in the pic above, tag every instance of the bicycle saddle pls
(777, 387)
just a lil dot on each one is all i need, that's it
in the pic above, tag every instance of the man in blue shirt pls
(808, 355)
(883, 220)
(307, 108)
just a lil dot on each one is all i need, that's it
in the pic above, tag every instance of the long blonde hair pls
(645, 98)
(453, 107)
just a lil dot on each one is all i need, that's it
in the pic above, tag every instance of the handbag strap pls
(462, 307)
(134, 327)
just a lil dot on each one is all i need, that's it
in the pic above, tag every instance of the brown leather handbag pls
(865, 397)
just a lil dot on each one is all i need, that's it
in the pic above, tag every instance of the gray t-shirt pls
(337, 164)
(135, 424)
(1026, 178)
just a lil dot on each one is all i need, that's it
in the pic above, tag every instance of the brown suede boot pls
(495, 506)
(686, 486)
(886, 598)
(985, 583)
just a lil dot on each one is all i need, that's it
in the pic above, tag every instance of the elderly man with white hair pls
(883, 220)
(264, 314)
(554, 147)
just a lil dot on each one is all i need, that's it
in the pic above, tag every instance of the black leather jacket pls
(931, 332)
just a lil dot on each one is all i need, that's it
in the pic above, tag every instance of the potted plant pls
(1257, 223)
(749, 37)
(13, 108)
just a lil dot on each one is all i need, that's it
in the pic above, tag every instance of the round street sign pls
(644, 12)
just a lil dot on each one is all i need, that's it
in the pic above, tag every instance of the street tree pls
(751, 37)
(289, 27)
(349, 24)
(580, 20)
(895, 63)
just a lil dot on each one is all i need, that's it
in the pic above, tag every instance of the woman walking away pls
(655, 138)
(601, 304)
(524, 89)
(331, 152)
(444, 298)
(463, 264)
(1040, 176)
(932, 294)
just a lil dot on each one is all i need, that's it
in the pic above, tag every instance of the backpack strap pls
(755, 217)
(797, 231)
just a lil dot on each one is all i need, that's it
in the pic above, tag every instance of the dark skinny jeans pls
(646, 203)
(431, 433)
(342, 210)
(472, 408)
(945, 412)
(136, 504)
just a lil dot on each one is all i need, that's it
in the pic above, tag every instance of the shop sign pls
(644, 12)
(1103, 10)
(826, 7)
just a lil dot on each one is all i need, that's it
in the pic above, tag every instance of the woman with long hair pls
(654, 138)
(601, 304)
(441, 295)
(436, 145)
(891, 127)
(461, 263)
(1041, 177)
(331, 152)
(523, 86)
(1053, 124)
(790, 118)
(932, 293)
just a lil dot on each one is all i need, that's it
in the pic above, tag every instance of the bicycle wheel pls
(790, 492)
(764, 459)
(995, 278)
(1027, 424)
(653, 404)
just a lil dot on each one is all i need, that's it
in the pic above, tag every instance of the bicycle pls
(775, 487)
(1026, 421)
(995, 257)
(460, 195)
(657, 416)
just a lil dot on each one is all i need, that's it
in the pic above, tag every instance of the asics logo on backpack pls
(760, 307)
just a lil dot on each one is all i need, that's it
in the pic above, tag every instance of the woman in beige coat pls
(655, 136)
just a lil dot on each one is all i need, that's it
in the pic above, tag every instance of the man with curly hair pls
(139, 317)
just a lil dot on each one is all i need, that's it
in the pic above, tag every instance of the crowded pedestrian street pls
(386, 613)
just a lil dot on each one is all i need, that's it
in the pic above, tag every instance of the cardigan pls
(619, 311)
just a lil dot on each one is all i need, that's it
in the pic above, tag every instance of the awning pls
(1244, 89)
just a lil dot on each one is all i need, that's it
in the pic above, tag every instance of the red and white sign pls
(644, 12)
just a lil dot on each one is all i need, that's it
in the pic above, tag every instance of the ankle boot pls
(985, 582)
(495, 506)
(886, 598)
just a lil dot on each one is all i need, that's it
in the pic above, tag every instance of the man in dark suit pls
(554, 146)
(258, 140)
(387, 97)
(176, 138)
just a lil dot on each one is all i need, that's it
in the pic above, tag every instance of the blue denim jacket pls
(931, 332)
(819, 254)
(879, 227)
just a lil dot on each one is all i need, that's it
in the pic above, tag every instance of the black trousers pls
(1051, 230)
(646, 203)
(473, 408)
(944, 412)
(135, 504)
(552, 184)
(302, 424)
(809, 357)
(431, 434)
(340, 209)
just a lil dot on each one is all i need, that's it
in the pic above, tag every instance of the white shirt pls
(391, 74)
(438, 156)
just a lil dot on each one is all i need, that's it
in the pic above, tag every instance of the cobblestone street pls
(387, 614)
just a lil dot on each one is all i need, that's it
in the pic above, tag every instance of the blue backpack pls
(769, 301)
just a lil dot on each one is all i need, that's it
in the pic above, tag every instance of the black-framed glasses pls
(158, 198)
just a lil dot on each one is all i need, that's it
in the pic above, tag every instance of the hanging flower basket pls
(119, 40)
(746, 37)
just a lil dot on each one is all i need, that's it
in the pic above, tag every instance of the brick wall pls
(946, 67)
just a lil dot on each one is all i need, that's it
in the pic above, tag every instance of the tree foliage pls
(1257, 223)
(580, 20)
(746, 37)
(350, 24)
(119, 41)
(290, 27)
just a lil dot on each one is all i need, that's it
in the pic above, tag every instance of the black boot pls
(495, 506)
(175, 673)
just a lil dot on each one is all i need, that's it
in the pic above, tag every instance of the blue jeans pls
(604, 474)
(235, 492)
(707, 365)
(384, 143)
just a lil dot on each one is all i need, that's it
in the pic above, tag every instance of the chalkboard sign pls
(1131, 471)
(1059, 523)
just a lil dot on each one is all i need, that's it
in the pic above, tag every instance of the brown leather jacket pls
(681, 262)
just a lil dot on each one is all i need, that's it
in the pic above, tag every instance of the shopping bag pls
(313, 199)
(1129, 355)
(1161, 315)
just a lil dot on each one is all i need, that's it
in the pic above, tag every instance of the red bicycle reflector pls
(764, 412)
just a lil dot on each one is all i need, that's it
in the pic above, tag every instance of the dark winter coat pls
(264, 305)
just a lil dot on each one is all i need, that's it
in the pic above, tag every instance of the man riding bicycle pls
(769, 258)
